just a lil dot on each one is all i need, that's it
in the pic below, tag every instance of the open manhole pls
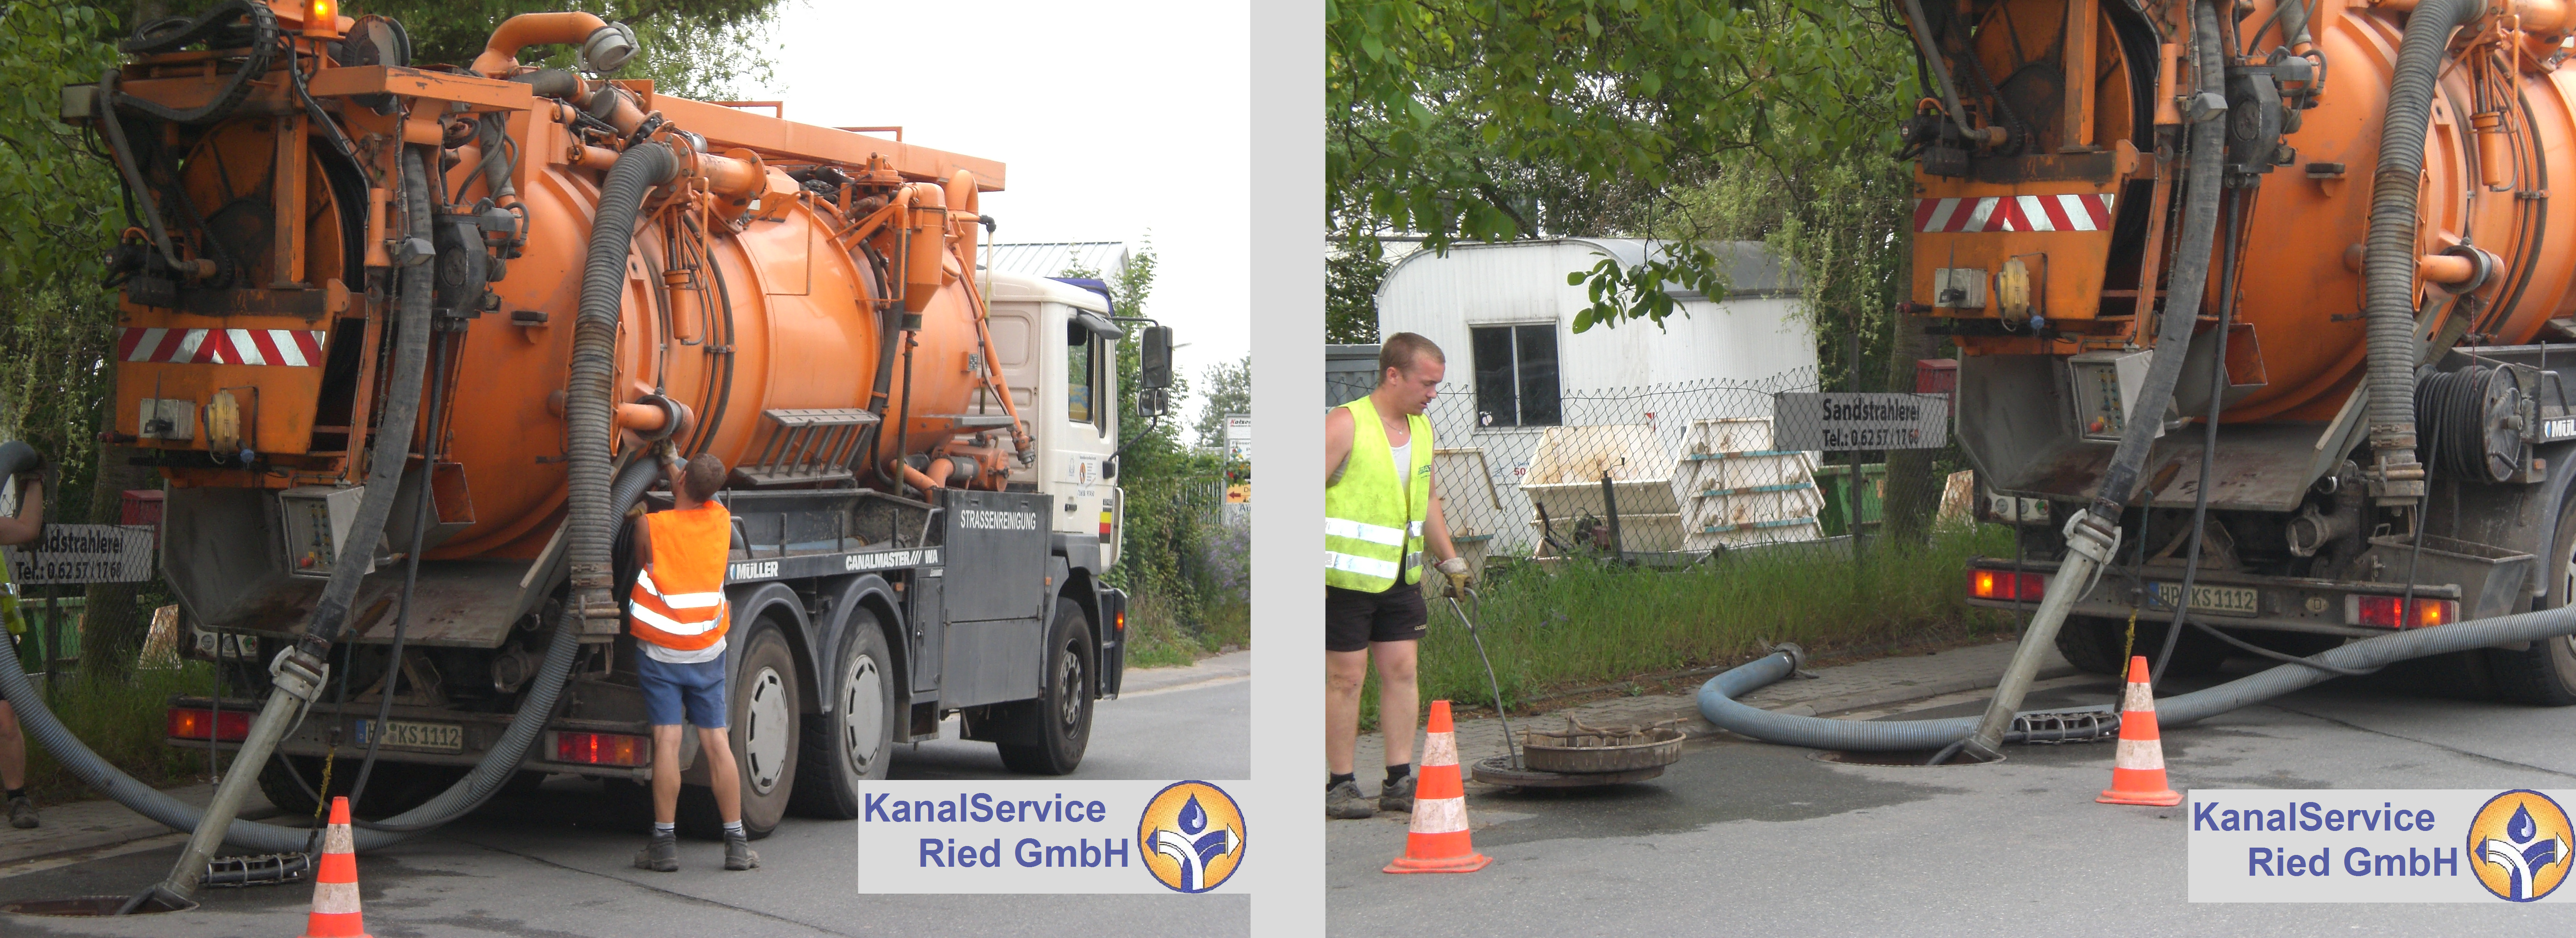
(1903, 757)
(88, 907)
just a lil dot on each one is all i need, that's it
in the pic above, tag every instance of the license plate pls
(2223, 600)
(439, 737)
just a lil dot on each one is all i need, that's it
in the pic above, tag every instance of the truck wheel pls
(762, 710)
(856, 740)
(2545, 674)
(1060, 719)
(2093, 645)
(281, 790)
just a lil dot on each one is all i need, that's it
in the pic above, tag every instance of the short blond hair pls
(1402, 349)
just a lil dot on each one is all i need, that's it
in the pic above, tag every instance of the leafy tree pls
(1499, 119)
(1351, 278)
(1229, 392)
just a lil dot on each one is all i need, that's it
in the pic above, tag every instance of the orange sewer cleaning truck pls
(2298, 276)
(402, 337)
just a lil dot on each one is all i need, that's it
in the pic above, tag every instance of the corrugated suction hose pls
(2389, 254)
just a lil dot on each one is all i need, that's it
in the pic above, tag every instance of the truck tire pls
(1060, 719)
(856, 740)
(395, 787)
(762, 712)
(2093, 645)
(2544, 675)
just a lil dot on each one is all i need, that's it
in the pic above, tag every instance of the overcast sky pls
(1116, 121)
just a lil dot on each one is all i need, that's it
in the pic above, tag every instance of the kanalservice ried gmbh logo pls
(2519, 845)
(1192, 835)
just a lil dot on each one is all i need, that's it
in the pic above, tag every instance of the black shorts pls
(1353, 619)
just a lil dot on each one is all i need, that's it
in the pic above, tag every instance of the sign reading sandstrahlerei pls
(84, 553)
(1837, 422)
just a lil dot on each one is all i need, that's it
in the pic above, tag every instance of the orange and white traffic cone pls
(1438, 841)
(335, 882)
(2138, 770)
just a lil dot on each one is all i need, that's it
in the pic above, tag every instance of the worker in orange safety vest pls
(678, 614)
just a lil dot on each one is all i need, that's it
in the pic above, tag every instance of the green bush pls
(1584, 625)
(124, 721)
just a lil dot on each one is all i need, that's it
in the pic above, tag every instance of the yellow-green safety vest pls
(1373, 522)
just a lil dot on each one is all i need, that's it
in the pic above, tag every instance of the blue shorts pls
(669, 689)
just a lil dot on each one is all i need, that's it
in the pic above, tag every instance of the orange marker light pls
(322, 18)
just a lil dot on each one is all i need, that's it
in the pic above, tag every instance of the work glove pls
(1456, 569)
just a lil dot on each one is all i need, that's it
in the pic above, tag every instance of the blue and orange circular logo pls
(1191, 836)
(2519, 843)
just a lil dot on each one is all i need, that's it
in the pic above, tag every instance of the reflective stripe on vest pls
(679, 602)
(1373, 521)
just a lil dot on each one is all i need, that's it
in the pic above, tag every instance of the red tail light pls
(229, 726)
(2006, 585)
(602, 748)
(1122, 622)
(2387, 612)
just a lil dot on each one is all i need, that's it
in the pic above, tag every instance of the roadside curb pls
(91, 825)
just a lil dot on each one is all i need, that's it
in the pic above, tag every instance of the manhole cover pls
(1498, 770)
(1912, 758)
(86, 907)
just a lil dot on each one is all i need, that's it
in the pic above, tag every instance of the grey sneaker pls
(1344, 801)
(1397, 796)
(661, 855)
(22, 812)
(739, 855)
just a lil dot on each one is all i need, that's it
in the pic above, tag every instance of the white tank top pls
(1403, 460)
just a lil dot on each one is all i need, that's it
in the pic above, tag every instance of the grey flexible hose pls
(2388, 260)
(1718, 705)
(2188, 280)
(589, 398)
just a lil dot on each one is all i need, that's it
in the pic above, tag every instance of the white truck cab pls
(1058, 351)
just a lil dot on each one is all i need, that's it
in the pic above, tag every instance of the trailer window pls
(1516, 375)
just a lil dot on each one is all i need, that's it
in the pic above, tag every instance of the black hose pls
(411, 567)
(2209, 435)
(264, 42)
(113, 127)
(393, 427)
(590, 397)
(2388, 260)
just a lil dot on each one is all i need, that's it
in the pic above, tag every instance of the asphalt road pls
(557, 862)
(1751, 838)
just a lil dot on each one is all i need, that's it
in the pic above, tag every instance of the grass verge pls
(123, 721)
(1578, 627)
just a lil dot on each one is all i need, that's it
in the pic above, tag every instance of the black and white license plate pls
(436, 737)
(2223, 600)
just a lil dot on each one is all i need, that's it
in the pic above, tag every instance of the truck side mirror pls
(1154, 367)
(1152, 402)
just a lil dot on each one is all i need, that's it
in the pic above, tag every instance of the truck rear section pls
(860, 620)
(2303, 406)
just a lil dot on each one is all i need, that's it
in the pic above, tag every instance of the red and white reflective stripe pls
(2139, 754)
(1438, 816)
(335, 899)
(2063, 212)
(1439, 749)
(294, 348)
(2137, 698)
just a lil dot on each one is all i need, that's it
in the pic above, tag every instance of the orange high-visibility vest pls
(679, 602)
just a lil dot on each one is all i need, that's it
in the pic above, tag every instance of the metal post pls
(1851, 493)
(53, 637)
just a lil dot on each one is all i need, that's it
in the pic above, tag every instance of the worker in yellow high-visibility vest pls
(1380, 512)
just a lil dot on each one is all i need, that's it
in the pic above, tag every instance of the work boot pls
(1397, 795)
(661, 855)
(1344, 801)
(22, 812)
(738, 853)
